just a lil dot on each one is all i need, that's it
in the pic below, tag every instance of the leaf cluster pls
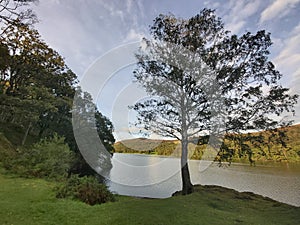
(86, 189)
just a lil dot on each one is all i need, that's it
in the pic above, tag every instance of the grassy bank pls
(32, 201)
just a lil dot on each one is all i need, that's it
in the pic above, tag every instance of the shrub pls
(49, 158)
(87, 189)
(7, 152)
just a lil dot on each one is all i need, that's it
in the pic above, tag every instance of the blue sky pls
(84, 30)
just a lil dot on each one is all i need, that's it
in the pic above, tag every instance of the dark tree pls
(16, 12)
(93, 135)
(202, 78)
(36, 85)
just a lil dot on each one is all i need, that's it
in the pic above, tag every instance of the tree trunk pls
(187, 186)
(26, 133)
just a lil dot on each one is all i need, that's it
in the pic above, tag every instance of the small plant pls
(87, 189)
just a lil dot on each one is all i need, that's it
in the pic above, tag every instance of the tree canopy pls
(36, 86)
(200, 77)
(16, 11)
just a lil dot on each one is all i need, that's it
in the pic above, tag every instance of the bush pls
(50, 158)
(7, 152)
(87, 189)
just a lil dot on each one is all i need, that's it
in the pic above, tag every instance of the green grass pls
(32, 201)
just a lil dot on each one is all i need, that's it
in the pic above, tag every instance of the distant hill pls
(146, 146)
(270, 150)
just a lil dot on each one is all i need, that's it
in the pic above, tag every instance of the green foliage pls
(50, 158)
(15, 134)
(147, 146)
(104, 129)
(85, 113)
(36, 85)
(87, 189)
(88, 126)
(260, 146)
(7, 152)
(37, 90)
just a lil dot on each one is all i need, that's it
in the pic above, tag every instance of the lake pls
(159, 177)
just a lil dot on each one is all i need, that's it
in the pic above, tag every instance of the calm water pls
(159, 177)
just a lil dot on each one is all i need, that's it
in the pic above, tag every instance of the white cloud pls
(235, 27)
(83, 31)
(240, 11)
(278, 8)
(249, 9)
(288, 61)
(53, 1)
(212, 5)
(289, 57)
(133, 35)
(129, 5)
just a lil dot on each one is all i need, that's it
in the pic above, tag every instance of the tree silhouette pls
(16, 12)
(199, 78)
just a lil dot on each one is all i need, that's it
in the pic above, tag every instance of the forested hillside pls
(261, 146)
(36, 92)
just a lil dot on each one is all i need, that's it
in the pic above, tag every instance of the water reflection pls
(142, 170)
(159, 177)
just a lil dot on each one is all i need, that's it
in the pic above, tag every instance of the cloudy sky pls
(86, 31)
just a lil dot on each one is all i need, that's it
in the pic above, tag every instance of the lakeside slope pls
(32, 201)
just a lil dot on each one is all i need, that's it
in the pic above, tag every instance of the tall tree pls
(197, 73)
(36, 83)
(93, 134)
(36, 86)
